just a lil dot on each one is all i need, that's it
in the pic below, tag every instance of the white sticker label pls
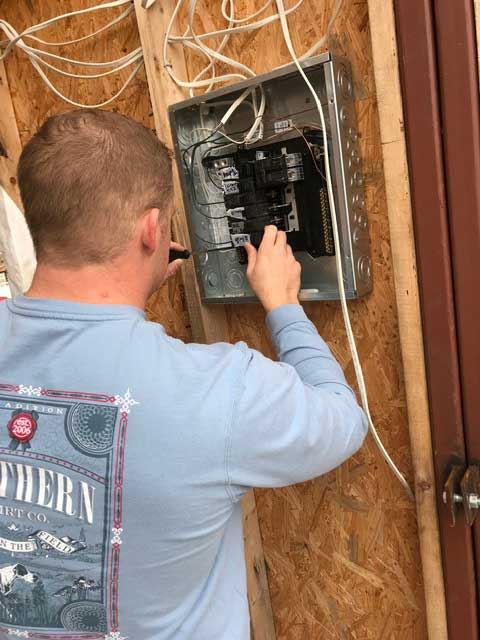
(281, 125)
(230, 187)
(228, 172)
(239, 239)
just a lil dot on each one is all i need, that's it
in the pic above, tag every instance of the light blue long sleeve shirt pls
(124, 454)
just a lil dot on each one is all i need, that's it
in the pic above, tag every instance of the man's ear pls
(149, 230)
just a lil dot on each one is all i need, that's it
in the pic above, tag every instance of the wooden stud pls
(208, 322)
(382, 23)
(261, 613)
(10, 146)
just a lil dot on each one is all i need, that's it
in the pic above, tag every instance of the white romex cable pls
(37, 56)
(193, 40)
(338, 257)
(46, 23)
(235, 25)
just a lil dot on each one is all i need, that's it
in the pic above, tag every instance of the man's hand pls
(273, 272)
(174, 266)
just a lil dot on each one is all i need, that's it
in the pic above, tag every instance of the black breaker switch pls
(280, 183)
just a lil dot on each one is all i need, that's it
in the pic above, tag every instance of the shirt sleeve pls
(294, 419)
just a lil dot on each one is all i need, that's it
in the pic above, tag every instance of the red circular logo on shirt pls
(22, 427)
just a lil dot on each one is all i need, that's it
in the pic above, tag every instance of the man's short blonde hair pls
(85, 178)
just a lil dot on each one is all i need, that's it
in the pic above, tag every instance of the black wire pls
(189, 172)
(212, 217)
(217, 142)
(209, 175)
(196, 145)
(200, 141)
(265, 215)
(208, 151)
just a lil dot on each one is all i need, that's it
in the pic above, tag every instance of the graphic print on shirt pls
(61, 482)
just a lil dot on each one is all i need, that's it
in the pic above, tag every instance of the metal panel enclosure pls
(289, 107)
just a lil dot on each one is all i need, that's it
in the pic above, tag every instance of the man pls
(125, 452)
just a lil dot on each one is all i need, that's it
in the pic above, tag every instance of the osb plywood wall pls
(342, 551)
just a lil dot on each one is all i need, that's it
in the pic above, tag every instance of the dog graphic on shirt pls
(13, 572)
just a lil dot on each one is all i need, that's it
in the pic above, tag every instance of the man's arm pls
(297, 418)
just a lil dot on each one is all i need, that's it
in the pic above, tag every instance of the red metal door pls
(438, 63)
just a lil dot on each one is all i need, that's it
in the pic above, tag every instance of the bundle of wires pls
(206, 79)
(42, 60)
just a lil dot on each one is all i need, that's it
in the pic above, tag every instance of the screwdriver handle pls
(175, 254)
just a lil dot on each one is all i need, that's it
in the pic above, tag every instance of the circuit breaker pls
(232, 188)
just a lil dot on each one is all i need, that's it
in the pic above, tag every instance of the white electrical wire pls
(331, 197)
(322, 41)
(194, 84)
(211, 65)
(235, 25)
(246, 18)
(9, 30)
(240, 29)
(105, 27)
(69, 74)
(120, 63)
(190, 39)
(80, 104)
(47, 23)
(37, 56)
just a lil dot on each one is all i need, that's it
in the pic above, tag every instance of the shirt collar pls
(49, 307)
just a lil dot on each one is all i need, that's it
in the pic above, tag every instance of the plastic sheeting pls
(16, 245)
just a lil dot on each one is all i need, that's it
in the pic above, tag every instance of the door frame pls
(460, 99)
(438, 66)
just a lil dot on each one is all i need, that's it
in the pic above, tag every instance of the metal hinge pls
(468, 480)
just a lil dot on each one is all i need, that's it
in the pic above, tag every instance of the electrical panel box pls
(232, 188)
